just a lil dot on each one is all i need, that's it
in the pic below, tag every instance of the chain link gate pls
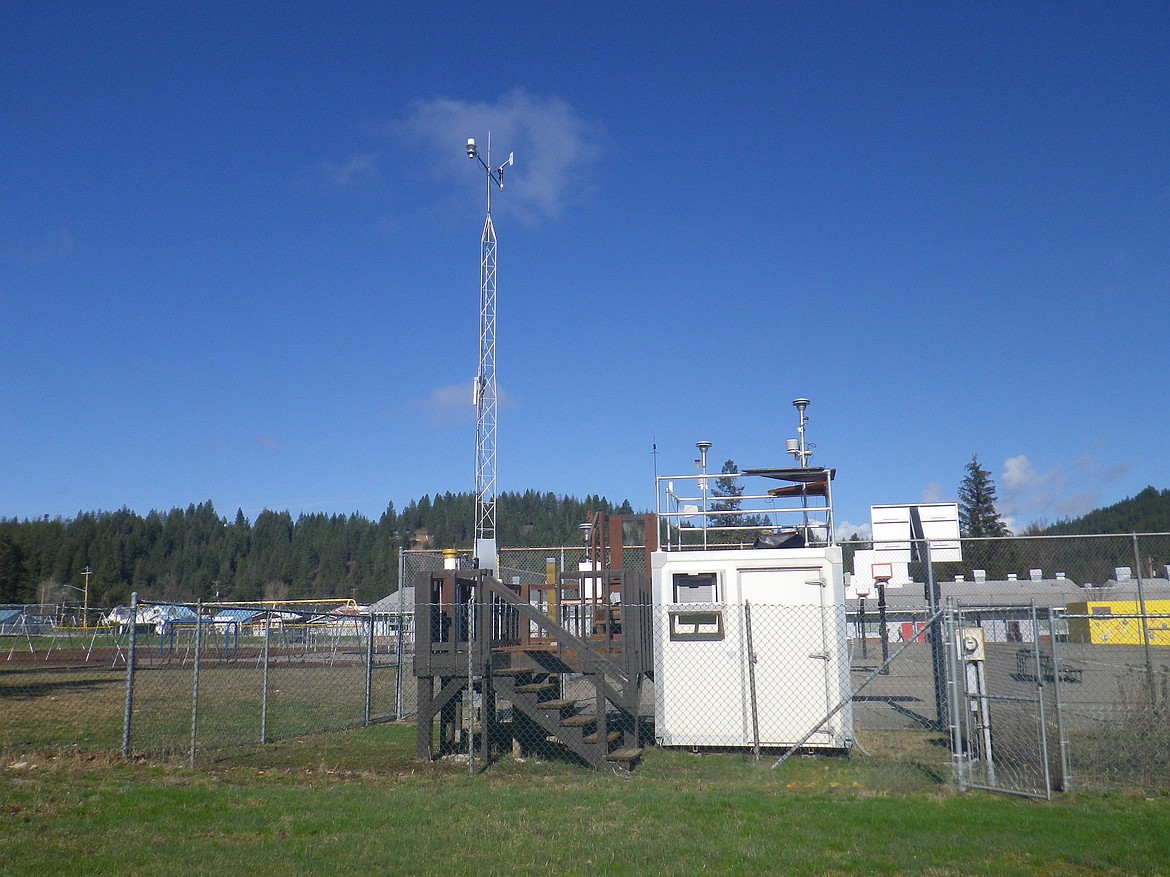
(1004, 709)
(997, 725)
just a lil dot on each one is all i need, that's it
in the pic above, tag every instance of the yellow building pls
(1119, 622)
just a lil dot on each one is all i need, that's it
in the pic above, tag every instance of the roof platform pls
(741, 509)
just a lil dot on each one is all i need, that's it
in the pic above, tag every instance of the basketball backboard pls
(892, 531)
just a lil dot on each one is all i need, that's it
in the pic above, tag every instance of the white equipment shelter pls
(750, 638)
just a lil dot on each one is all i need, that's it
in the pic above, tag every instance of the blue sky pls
(239, 249)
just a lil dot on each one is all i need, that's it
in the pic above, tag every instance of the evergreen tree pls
(12, 583)
(192, 552)
(1147, 512)
(977, 513)
(728, 490)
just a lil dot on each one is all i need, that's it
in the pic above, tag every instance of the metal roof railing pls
(695, 513)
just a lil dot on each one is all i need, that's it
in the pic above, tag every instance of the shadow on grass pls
(30, 690)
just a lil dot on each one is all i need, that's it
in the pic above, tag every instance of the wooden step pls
(581, 720)
(610, 738)
(531, 647)
(562, 704)
(629, 756)
(513, 671)
(535, 687)
(598, 647)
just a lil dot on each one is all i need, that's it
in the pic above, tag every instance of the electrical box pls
(971, 646)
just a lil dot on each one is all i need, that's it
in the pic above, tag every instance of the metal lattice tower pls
(484, 391)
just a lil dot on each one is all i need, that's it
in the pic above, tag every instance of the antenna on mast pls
(484, 390)
(797, 446)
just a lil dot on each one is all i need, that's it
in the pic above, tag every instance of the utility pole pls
(87, 572)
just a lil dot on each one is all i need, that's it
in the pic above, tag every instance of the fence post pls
(1040, 706)
(471, 618)
(1141, 593)
(751, 662)
(264, 678)
(195, 684)
(920, 553)
(956, 700)
(369, 666)
(1065, 783)
(128, 708)
(398, 633)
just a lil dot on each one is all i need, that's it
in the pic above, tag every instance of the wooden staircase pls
(571, 669)
(597, 739)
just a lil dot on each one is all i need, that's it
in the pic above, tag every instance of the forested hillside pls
(192, 553)
(1148, 512)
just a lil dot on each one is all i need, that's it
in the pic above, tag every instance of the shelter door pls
(791, 644)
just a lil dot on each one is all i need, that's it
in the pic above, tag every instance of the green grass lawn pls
(44, 706)
(355, 802)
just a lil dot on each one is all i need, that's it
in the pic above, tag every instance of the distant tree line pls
(1148, 512)
(193, 553)
(986, 548)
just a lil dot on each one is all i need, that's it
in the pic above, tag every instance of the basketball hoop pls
(882, 572)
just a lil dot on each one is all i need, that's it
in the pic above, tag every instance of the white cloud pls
(1089, 468)
(451, 405)
(933, 492)
(845, 530)
(553, 144)
(359, 167)
(446, 406)
(1030, 494)
(1018, 473)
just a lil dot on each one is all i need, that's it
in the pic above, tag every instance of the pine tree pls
(977, 513)
(729, 490)
(11, 569)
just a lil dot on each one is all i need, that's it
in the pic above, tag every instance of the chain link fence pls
(1066, 687)
(168, 679)
(1068, 683)
(62, 681)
